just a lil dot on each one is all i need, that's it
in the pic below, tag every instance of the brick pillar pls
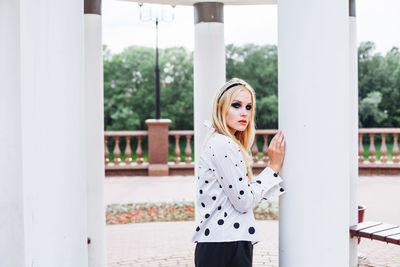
(158, 146)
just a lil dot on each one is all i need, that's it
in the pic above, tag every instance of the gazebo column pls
(353, 90)
(94, 126)
(11, 182)
(314, 115)
(53, 143)
(209, 63)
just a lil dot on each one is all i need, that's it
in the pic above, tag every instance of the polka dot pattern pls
(220, 189)
(207, 232)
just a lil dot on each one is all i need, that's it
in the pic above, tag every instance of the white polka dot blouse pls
(225, 199)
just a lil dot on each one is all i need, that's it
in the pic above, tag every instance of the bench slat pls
(364, 225)
(369, 231)
(384, 234)
(395, 239)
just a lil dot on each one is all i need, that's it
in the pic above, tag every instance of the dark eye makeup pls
(237, 105)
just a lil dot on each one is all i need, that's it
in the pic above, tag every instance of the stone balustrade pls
(373, 163)
(120, 159)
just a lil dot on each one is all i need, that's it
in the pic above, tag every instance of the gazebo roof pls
(191, 2)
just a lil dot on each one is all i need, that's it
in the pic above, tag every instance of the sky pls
(377, 21)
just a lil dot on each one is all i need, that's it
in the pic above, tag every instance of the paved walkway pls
(168, 243)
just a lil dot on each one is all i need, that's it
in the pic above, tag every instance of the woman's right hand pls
(276, 152)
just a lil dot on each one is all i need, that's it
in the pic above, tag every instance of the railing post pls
(188, 150)
(128, 151)
(117, 151)
(383, 148)
(177, 150)
(360, 148)
(371, 148)
(158, 146)
(139, 151)
(395, 149)
(106, 153)
(254, 150)
(265, 148)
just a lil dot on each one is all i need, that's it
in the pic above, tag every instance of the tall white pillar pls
(94, 134)
(11, 190)
(353, 95)
(314, 101)
(208, 65)
(209, 62)
(53, 132)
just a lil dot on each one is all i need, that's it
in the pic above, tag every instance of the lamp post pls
(159, 16)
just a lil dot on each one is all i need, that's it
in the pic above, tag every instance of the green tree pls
(129, 88)
(369, 111)
(257, 65)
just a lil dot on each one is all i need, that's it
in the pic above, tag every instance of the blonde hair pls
(221, 104)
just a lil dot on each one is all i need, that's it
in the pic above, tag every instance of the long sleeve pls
(230, 171)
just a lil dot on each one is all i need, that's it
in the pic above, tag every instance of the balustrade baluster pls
(383, 149)
(139, 151)
(106, 153)
(371, 148)
(188, 150)
(360, 148)
(177, 150)
(254, 150)
(117, 151)
(265, 148)
(395, 149)
(128, 151)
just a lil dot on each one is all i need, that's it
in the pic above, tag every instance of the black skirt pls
(224, 254)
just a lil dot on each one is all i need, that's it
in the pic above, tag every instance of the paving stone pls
(168, 244)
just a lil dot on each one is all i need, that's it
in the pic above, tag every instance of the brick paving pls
(168, 243)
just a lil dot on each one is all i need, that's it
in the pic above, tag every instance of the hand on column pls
(276, 152)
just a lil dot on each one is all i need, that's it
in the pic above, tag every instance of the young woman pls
(227, 192)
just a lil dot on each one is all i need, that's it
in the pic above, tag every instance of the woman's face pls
(238, 115)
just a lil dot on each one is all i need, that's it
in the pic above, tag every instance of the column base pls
(158, 170)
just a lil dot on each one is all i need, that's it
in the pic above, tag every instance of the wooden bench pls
(388, 233)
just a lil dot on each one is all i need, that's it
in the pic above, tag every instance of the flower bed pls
(171, 211)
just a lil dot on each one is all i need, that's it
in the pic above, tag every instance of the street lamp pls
(159, 15)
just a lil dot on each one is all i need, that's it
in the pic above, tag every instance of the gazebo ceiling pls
(191, 2)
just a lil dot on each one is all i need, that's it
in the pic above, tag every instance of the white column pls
(314, 101)
(95, 135)
(208, 65)
(53, 137)
(353, 90)
(11, 201)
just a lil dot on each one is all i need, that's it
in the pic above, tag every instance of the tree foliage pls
(129, 85)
